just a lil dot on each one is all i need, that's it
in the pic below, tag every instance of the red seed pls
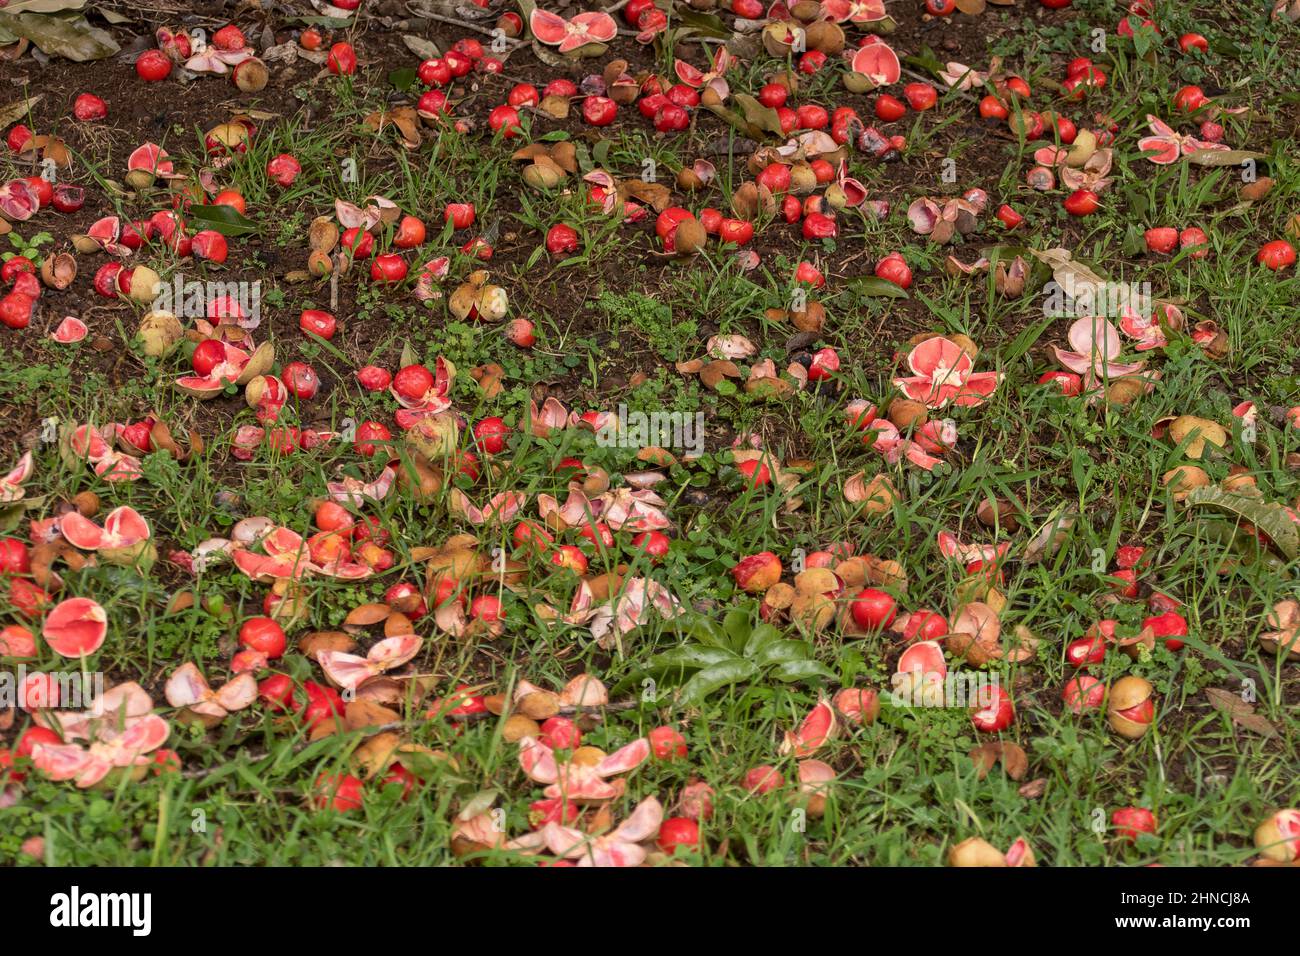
(890, 108)
(342, 59)
(920, 96)
(89, 107)
(1277, 254)
(1081, 202)
(873, 609)
(153, 66)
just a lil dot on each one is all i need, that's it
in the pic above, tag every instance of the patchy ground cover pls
(711, 433)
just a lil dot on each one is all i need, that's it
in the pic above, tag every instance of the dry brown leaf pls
(358, 714)
(1256, 723)
(655, 195)
(374, 754)
(1228, 703)
(1242, 712)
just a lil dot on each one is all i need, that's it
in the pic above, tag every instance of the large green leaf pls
(782, 652)
(707, 24)
(223, 219)
(874, 285)
(759, 638)
(704, 631)
(737, 625)
(1268, 517)
(711, 679)
(690, 657)
(11, 514)
(801, 671)
(44, 6)
(757, 115)
(71, 38)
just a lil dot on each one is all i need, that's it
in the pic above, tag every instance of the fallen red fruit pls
(1162, 239)
(338, 791)
(410, 232)
(265, 635)
(1086, 650)
(599, 110)
(1190, 98)
(486, 608)
(678, 831)
(763, 779)
(14, 557)
(1168, 627)
(757, 474)
(894, 268)
(1277, 254)
(388, 268)
(561, 239)
(460, 214)
(301, 380)
(1081, 202)
(757, 572)
(16, 310)
(342, 59)
(490, 435)
(890, 108)
(773, 95)
(283, 169)
(653, 543)
(504, 119)
(230, 38)
(210, 245)
(560, 733)
(666, 743)
(1009, 217)
(920, 96)
(88, 107)
(153, 65)
(995, 714)
(319, 322)
(1130, 821)
(368, 433)
(1084, 692)
(873, 609)
(1069, 383)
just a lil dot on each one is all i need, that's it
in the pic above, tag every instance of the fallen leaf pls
(73, 39)
(422, 48)
(364, 713)
(1227, 702)
(18, 109)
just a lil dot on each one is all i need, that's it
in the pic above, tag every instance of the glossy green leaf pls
(711, 679)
